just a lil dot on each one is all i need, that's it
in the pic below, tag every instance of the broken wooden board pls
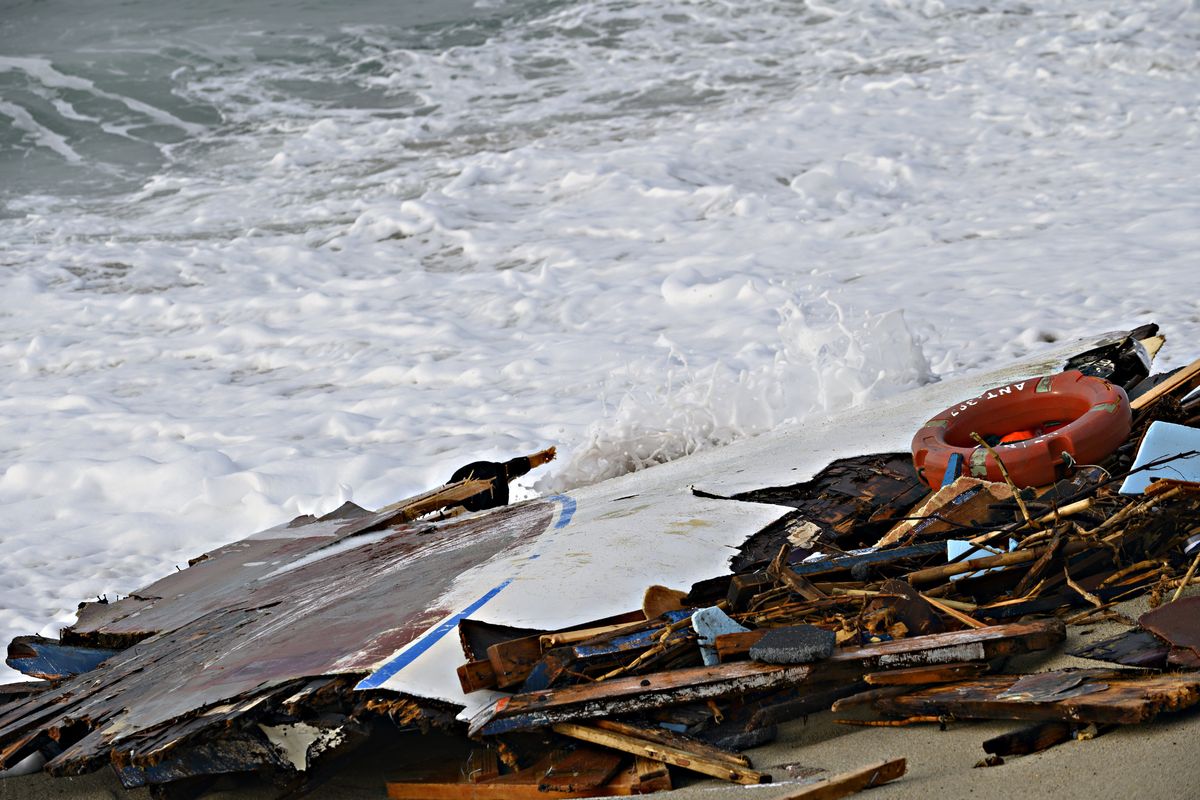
(1029, 739)
(1115, 699)
(852, 782)
(655, 690)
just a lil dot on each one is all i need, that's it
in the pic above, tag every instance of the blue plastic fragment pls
(709, 623)
(1162, 440)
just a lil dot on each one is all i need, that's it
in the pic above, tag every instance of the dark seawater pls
(97, 96)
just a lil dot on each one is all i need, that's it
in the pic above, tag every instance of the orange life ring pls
(1089, 417)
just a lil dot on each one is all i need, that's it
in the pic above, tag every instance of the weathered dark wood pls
(908, 606)
(316, 611)
(848, 783)
(627, 695)
(936, 673)
(878, 558)
(1121, 700)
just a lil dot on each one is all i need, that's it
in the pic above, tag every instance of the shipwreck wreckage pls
(594, 643)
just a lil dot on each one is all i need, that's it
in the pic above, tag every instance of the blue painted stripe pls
(384, 673)
(568, 510)
(418, 648)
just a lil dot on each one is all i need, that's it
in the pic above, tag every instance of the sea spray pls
(821, 362)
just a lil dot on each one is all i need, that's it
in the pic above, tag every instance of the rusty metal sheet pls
(1177, 622)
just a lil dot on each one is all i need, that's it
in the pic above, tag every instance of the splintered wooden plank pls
(1110, 700)
(688, 759)
(512, 661)
(672, 739)
(848, 783)
(655, 690)
(581, 771)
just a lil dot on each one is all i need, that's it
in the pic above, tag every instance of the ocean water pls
(259, 258)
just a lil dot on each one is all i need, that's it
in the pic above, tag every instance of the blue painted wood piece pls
(954, 469)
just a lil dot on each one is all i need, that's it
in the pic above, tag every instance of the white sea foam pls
(353, 258)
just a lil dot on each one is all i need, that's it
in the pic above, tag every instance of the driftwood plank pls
(1112, 700)
(848, 783)
(688, 759)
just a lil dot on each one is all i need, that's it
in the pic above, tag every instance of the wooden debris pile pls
(892, 634)
(890, 604)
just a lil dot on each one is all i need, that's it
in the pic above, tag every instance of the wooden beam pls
(687, 759)
(672, 739)
(848, 783)
(476, 675)
(1182, 381)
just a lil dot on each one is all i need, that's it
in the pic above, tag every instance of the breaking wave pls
(822, 361)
